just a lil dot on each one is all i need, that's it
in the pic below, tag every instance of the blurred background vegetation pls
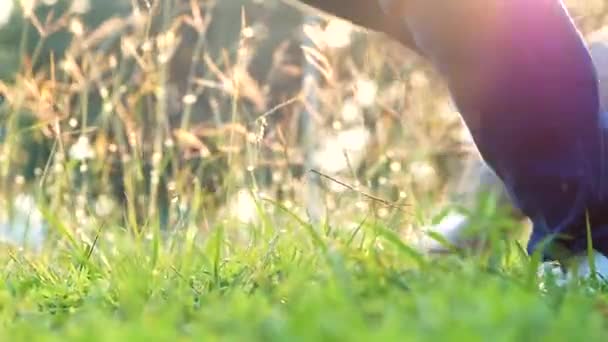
(190, 113)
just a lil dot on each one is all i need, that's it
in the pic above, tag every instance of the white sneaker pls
(577, 268)
(581, 268)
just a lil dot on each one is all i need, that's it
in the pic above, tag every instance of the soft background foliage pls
(143, 103)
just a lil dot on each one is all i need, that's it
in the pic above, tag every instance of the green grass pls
(289, 284)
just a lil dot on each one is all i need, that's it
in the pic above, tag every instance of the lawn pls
(287, 282)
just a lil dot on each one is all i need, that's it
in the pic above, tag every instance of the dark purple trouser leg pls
(526, 87)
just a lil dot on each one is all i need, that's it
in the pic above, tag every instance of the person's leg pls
(368, 14)
(528, 94)
(478, 177)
